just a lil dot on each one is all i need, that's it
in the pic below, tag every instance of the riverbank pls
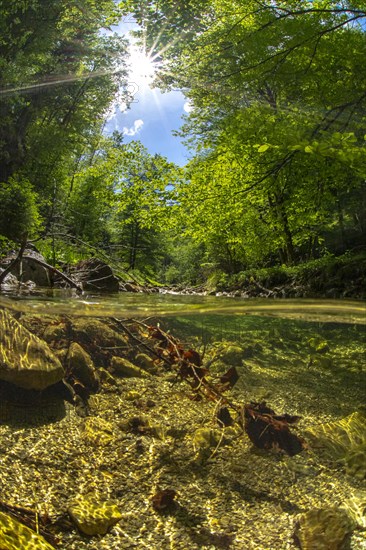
(342, 277)
(329, 277)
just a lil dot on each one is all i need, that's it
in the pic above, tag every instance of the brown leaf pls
(189, 370)
(266, 430)
(164, 500)
(193, 357)
(230, 378)
(224, 417)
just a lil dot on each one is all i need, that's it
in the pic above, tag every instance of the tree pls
(277, 123)
(119, 203)
(58, 76)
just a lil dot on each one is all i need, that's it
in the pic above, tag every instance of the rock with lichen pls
(92, 515)
(17, 536)
(25, 359)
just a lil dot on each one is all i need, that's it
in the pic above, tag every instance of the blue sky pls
(152, 115)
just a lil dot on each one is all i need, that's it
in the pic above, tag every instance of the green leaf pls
(263, 148)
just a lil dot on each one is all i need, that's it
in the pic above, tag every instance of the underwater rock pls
(17, 536)
(318, 345)
(145, 362)
(123, 367)
(97, 431)
(80, 365)
(95, 336)
(336, 439)
(25, 359)
(93, 516)
(55, 333)
(164, 500)
(356, 508)
(324, 529)
(355, 461)
(106, 377)
(205, 440)
(233, 355)
(140, 425)
(46, 327)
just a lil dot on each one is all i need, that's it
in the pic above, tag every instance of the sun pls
(142, 66)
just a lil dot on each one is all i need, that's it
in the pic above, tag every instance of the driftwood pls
(263, 426)
(52, 269)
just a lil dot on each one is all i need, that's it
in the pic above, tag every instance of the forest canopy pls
(276, 130)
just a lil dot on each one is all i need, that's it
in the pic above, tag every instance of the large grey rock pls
(25, 359)
(93, 274)
(28, 269)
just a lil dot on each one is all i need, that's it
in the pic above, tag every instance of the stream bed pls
(141, 435)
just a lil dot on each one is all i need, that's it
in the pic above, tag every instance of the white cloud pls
(137, 125)
(188, 107)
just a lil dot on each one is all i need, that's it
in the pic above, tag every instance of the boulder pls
(28, 269)
(25, 359)
(93, 516)
(17, 536)
(94, 274)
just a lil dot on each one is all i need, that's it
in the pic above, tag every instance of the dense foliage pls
(277, 126)
(58, 75)
(277, 132)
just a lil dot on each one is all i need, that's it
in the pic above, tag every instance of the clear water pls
(140, 305)
(302, 357)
